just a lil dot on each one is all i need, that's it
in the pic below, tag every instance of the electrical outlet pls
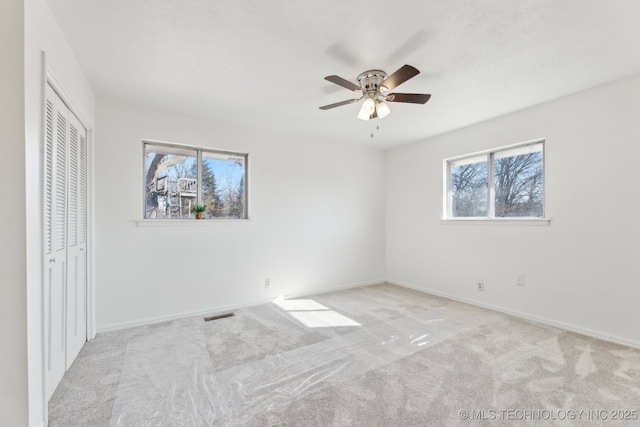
(481, 285)
(520, 281)
(267, 282)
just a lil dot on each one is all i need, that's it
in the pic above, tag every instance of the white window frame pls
(199, 151)
(490, 155)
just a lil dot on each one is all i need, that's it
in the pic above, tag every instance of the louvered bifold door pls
(76, 301)
(56, 129)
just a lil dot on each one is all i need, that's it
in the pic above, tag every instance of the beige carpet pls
(373, 356)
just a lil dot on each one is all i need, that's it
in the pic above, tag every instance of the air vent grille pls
(218, 316)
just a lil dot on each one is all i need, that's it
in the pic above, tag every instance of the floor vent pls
(219, 316)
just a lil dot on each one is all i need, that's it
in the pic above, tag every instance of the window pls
(506, 182)
(177, 177)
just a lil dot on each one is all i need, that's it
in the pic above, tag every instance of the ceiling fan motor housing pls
(370, 82)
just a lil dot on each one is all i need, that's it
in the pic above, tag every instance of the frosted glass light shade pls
(363, 114)
(382, 109)
(368, 107)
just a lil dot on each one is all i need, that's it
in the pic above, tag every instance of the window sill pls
(496, 221)
(191, 222)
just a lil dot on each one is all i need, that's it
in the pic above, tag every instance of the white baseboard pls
(543, 320)
(226, 308)
(336, 288)
(182, 315)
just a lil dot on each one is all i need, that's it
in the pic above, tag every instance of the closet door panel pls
(76, 247)
(55, 183)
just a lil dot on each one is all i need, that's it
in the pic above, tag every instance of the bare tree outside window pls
(513, 186)
(469, 189)
(518, 185)
(177, 177)
(170, 182)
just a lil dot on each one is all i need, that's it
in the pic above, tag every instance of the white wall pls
(13, 293)
(316, 220)
(42, 35)
(581, 270)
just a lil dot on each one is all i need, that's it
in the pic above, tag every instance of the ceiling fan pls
(374, 87)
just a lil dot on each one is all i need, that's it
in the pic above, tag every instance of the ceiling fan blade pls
(339, 104)
(414, 98)
(344, 83)
(402, 75)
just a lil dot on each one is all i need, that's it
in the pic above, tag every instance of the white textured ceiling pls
(262, 63)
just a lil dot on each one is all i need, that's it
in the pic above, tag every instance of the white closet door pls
(65, 238)
(76, 301)
(55, 200)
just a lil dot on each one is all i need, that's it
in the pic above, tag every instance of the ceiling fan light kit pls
(382, 109)
(364, 114)
(374, 86)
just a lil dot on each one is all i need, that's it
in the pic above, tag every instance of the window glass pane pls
(469, 188)
(171, 185)
(518, 183)
(223, 185)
